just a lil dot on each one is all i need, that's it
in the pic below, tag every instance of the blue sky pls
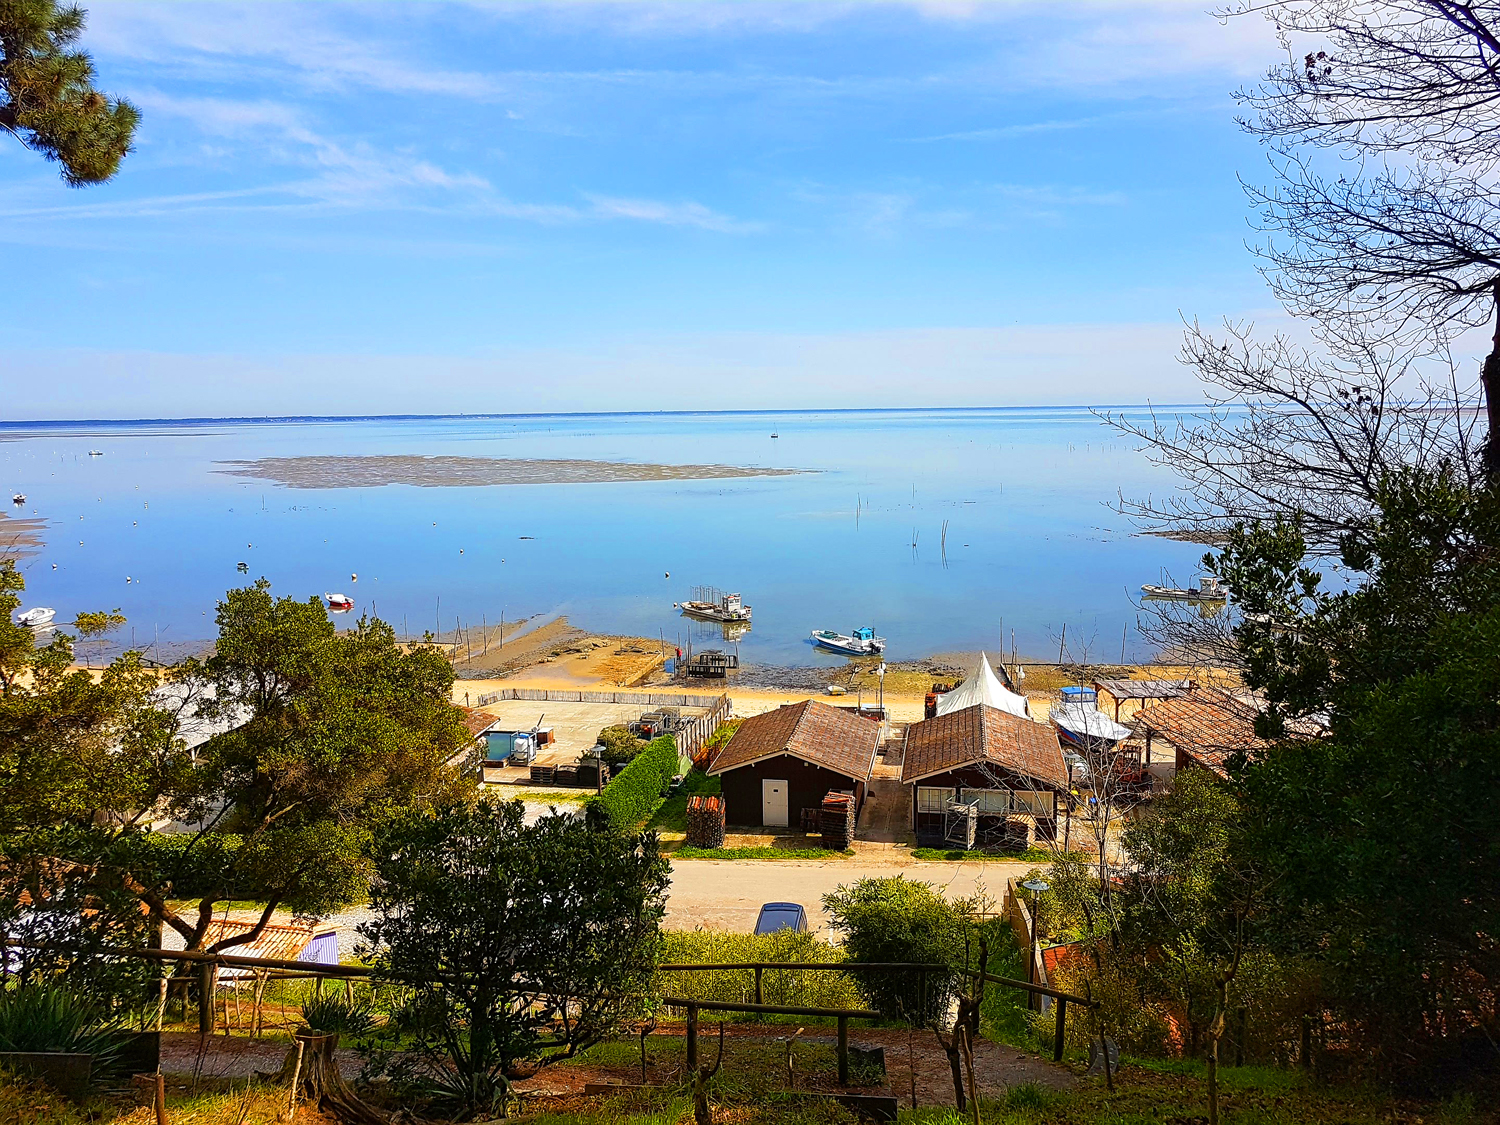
(431, 208)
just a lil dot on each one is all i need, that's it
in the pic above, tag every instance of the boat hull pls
(1167, 593)
(847, 646)
(706, 611)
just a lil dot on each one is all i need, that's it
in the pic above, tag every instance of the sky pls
(637, 205)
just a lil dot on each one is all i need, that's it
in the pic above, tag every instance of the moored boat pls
(339, 601)
(862, 642)
(96, 453)
(710, 605)
(1209, 589)
(37, 618)
(18, 498)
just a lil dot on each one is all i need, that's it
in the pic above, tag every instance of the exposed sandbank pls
(339, 471)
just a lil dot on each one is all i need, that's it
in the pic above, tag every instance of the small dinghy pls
(339, 602)
(96, 453)
(38, 618)
(862, 642)
(1207, 590)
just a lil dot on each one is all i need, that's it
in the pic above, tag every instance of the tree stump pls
(320, 1083)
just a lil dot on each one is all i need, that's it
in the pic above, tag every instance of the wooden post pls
(161, 1098)
(1061, 1029)
(692, 1037)
(758, 1000)
(206, 998)
(843, 1050)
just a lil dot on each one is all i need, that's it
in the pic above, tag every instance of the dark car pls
(778, 916)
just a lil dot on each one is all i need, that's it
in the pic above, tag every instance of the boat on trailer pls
(708, 604)
(1209, 589)
(862, 642)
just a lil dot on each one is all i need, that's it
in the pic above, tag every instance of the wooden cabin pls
(787, 760)
(983, 774)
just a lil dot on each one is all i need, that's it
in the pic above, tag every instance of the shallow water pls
(1031, 543)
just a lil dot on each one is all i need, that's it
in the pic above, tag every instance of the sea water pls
(1028, 497)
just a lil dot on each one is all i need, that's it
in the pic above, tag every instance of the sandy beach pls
(470, 472)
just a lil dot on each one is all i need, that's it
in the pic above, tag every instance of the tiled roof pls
(826, 736)
(1206, 724)
(278, 943)
(477, 721)
(979, 735)
(1144, 689)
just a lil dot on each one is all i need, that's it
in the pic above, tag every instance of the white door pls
(773, 804)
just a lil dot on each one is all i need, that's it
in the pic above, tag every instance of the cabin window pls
(930, 799)
(995, 802)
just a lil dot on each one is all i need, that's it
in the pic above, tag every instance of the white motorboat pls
(1209, 589)
(862, 642)
(1084, 727)
(340, 602)
(710, 605)
(18, 498)
(38, 618)
(96, 453)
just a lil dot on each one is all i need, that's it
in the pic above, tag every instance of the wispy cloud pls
(684, 214)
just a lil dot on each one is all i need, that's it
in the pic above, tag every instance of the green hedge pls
(632, 794)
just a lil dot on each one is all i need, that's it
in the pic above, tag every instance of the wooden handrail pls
(1039, 989)
(768, 1009)
(840, 966)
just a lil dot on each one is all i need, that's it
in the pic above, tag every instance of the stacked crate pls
(837, 821)
(705, 822)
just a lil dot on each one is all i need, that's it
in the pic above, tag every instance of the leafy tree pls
(323, 735)
(47, 95)
(60, 730)
(897, 919)
(518, 941)
(1192, 897)
(620, 746)
(1375, 812)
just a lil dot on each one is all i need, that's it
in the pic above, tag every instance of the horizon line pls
(282, 418)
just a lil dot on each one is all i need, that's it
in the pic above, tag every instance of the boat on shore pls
(339, 602)
(862, 642)
(1209, 589)
(708, 604)
(38, 618)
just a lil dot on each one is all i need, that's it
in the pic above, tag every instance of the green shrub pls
(632, 795)
(896, 919)
(42, 1016)
(620, 746)
(820, 989)
(334, 1013)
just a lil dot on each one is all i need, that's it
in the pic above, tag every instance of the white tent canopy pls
(983, 686)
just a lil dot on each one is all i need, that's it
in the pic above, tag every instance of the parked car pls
(778, 916)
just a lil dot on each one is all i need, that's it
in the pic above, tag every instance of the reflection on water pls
(945, 530)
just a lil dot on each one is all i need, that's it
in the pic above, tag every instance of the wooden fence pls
(645, 698)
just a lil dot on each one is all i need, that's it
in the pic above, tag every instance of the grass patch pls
(521, 793)
(817, 989)
(756, 853)
(953, 855)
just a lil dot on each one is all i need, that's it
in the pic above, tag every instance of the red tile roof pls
(477, 721)
(825, 736)
(1206, 724)
(982, 735)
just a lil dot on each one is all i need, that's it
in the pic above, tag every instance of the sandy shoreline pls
(20, 535)
(469, 472)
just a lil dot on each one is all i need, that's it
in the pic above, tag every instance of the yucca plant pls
(332, 1013)
(46, 1016)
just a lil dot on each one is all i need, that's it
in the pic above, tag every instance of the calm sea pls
(1032, 542)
